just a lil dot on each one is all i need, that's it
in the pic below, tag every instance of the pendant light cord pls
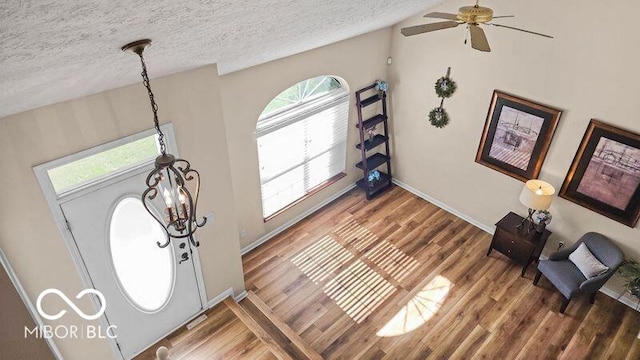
(154, 106)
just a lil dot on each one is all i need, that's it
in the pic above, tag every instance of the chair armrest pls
(594, 284)
(564, 254)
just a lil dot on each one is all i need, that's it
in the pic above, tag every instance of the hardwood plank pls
(282, 326)
(221, 343)
(586, 332)
(634, 352)
(462, 317)
(626, 336)
(221, 336)
(607, 330)
(251, 350)
(257, 329)
(471, 343)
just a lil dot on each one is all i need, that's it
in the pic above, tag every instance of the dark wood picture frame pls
(605, 174)
(515, 149)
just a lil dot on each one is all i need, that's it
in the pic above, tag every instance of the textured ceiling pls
(51, 51)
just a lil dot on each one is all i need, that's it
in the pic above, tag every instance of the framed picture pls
(605, 173)
(516, 136)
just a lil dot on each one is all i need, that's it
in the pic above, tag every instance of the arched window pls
(302, 136)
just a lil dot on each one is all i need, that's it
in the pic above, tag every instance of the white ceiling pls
(51, 51)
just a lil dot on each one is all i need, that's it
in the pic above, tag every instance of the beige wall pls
(590, 70)
(358, 61)
(28, 234)
(223, 151)
(15, 317)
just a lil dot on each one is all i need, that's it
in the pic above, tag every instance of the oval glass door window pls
(145, 271)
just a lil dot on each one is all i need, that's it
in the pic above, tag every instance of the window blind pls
(301, 148)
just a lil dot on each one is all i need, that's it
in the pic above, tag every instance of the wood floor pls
(399, 278)
(221, 336)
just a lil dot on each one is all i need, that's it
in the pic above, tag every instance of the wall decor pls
(516, 136)
(445, 87)
(605, 173)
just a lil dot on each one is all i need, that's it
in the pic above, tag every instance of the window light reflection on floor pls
(356, 235)
(321, 259)
(359, 290)
(419, 309)
(392, 260)
(361, 287)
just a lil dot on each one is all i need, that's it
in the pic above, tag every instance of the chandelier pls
(172, 178)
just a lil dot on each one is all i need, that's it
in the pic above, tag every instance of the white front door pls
(149, 291)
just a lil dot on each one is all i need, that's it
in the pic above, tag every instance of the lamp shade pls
(537, 195)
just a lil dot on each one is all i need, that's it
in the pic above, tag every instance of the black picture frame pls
(605, 174)
(516, 136)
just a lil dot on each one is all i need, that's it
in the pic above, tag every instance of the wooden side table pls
(522, 247)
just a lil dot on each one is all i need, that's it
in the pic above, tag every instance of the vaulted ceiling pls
(51, 51)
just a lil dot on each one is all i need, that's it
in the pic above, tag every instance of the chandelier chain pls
(154, 106)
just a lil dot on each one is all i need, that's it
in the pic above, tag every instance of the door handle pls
(184, 257)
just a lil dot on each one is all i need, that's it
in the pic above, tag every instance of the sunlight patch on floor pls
(359, 290)
(392, 260)
(419, 309)
(321, 259)
(356, 235)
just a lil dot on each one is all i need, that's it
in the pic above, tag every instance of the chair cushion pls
(563, 274)
(586, 262)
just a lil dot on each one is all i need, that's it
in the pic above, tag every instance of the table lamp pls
(536, 195)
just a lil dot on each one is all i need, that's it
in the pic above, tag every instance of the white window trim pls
(298, 112)
(42, 169)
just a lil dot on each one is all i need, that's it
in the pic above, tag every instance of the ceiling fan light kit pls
(473, 17)
(475, 14)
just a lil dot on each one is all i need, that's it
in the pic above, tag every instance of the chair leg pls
(563, 307)
(537, 278)
(592, 298)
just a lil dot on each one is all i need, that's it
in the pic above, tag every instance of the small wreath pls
(438, 117)
(445, 87)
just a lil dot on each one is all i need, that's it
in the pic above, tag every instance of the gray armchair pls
(568, 279)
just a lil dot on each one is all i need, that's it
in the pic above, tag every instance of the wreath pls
(438, 117)
(445, 87)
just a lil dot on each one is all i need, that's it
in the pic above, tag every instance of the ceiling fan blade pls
(527, 31)
(503, 16)
(441, 15)
(415, 30)
(478, 39)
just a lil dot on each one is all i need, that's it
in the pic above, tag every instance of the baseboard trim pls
(445, 207)
(294, 221)
(623, 298)
(225, 294)
(218, 299)
(240, 296)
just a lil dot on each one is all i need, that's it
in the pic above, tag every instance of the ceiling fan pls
(473, 16)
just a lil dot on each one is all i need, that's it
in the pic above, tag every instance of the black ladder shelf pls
(371, 161)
